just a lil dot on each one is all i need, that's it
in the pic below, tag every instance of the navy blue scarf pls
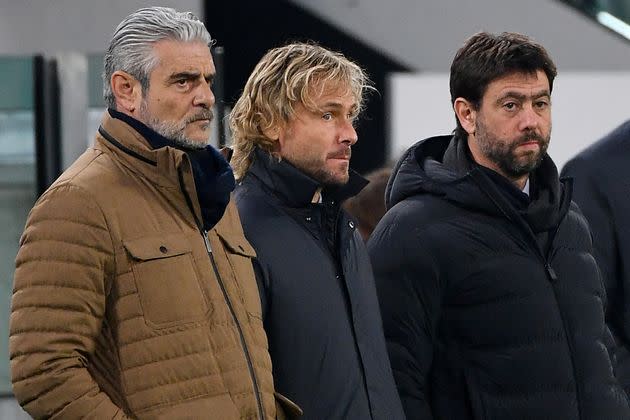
(214, 179)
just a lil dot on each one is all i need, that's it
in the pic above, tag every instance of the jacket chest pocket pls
(166, 280)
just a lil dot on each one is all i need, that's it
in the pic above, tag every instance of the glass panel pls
(613, 14)
(17, 182)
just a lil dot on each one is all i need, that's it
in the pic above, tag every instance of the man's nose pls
(204, 96)
(348, 133)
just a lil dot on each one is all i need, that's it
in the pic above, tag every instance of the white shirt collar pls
(526, 187)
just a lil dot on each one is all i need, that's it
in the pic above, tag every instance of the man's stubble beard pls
(318, 171)
(175, 131)
(502, 152)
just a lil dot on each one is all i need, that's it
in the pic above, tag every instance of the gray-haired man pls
(134, 292)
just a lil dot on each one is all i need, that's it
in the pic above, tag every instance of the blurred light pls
(614, 23)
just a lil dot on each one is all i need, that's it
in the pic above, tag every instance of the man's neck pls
(480, 159)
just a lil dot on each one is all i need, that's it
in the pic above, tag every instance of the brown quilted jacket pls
(118, 309)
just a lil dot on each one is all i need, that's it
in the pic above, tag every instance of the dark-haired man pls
(492, 302)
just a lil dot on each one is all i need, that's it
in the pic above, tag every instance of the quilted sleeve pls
(57, 308)
(410, 293)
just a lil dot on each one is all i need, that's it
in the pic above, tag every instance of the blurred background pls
(51, 103)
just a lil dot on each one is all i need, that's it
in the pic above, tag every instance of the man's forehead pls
(333, 93)
(184, 55)
(535, 82)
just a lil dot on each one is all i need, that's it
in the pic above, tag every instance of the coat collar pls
(160, 165)
(295, 188)
(204, 175)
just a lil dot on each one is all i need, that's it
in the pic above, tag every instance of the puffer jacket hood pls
(439, 166)
(421, 170)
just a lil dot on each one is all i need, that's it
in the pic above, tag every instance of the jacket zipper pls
(250, 365)
(204, 234)
(551, 273)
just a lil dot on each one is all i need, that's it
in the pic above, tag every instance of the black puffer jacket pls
(491, 310)
(319, 301)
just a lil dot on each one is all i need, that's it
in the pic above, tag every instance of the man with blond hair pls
(293, 132)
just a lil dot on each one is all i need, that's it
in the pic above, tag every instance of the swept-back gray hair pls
(131, 47)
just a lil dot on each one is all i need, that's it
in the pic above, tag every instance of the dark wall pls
(247, 30)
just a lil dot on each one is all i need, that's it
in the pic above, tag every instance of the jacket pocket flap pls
(154, 247)
(290, 410)
(237, 244)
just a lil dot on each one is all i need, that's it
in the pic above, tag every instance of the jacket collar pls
(205, 175)
(442, 166)
(295, 188)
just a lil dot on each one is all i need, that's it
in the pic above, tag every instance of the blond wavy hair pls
(284, 77)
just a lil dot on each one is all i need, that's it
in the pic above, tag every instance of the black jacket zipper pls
(544, 258)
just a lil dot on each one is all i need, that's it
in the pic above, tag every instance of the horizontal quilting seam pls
(166, 359)
(131, 318)
(499, 299)
(204, 323)
(170, 403)
(131, 292)
(49, 331)
(51, 308)
(55, 261)
(198, 353)
(44, 374)
(35, 222)
(59, 409)
(174, 383)
(72, 244)
(16, 354)
(578, 251)
(58, 287)
(530, 342)
(541, 391)
(247, 393)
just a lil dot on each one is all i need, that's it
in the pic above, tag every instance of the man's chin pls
(338, 179)
(191, 143)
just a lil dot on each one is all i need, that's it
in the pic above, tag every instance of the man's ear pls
(127, 91)
(272, 133)
(466, 114)
(275, 133)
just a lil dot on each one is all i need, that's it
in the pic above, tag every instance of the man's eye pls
(509, 106)
(327, 116)
(182, 82)
(542, 104)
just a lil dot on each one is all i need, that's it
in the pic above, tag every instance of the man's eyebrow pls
(186, 75)
(335, 105)
(522, 97)
(190, 75)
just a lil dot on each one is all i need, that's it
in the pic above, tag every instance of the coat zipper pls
(553, 277)
(204, 234)
(551, 273)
